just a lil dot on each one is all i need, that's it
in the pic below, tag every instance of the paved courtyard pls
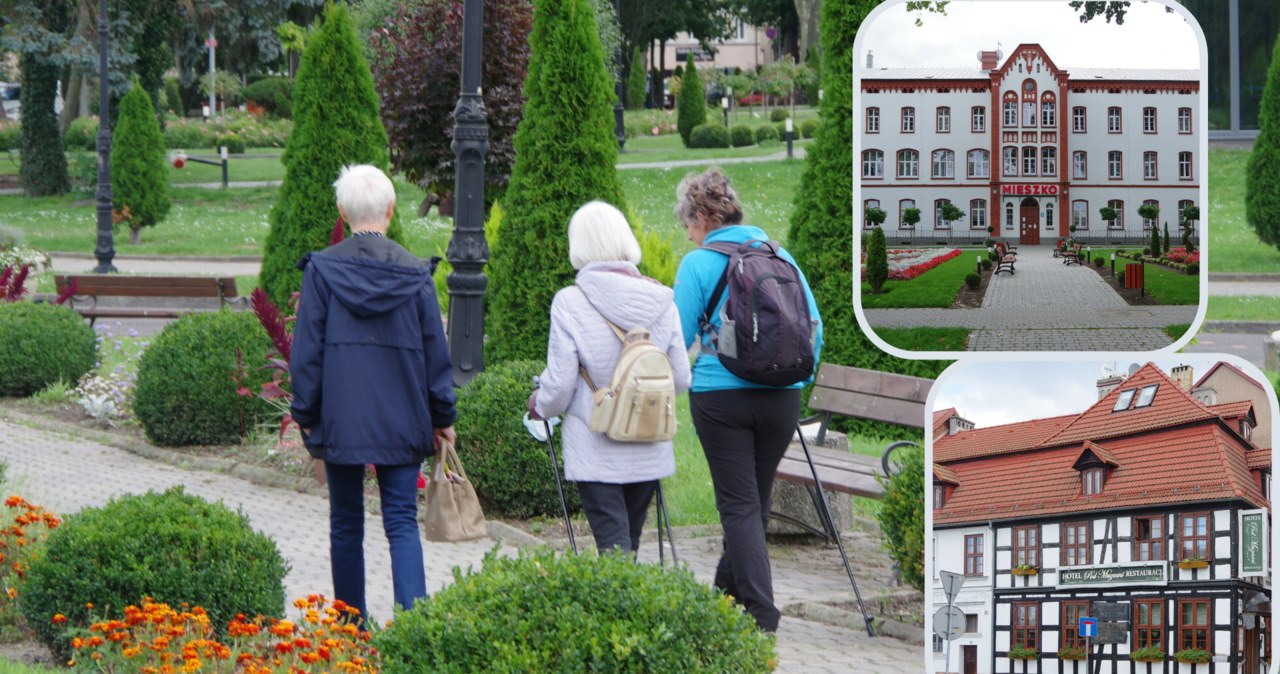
(1048, 306)
(67, 469)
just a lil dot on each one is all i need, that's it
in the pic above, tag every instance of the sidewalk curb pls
(1241, 327)
(162, 258)
(830, 615)
(1224, 277)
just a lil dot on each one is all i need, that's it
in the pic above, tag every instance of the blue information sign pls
(1088, 627)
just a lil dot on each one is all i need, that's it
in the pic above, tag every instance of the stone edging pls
(1242, 327)
(1224, 277)
(162, 258)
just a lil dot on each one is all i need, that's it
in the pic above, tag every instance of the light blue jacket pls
(699, 272)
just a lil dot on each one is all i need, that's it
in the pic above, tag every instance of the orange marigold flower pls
(95, 641)
(283, 628)
(302, 643)
(284, 647)
(59, 619)
(13, 593)
(131, 652)
(166, 669)
(89, 605)
(190, 666)
(13, 501)
(309, 658)
(77, 643)
(300, 603)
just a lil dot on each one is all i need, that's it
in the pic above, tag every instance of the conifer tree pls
(692, 106)
(139, 168)
(44, 166)
(1262, 179)
(335, 124)
(877, 259)
(635, 81)
(565, 156)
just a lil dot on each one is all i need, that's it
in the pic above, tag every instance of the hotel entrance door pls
(1030, 219)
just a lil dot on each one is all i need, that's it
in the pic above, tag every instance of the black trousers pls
(744, 433)
(616, 512)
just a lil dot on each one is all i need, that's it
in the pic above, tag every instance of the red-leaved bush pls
(13, 285)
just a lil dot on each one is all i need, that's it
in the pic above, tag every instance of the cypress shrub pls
(635, 81)
(336, 123)
(711, 135)
(1166, 238)
(41, 344)
(973, 280)
(823, 215)
(877, 260)
(741, 135)
(44, 166)
(139, 167)
(1155, 241)
(565, 156)
(693, 102)
(1262, 177)
(901, 516)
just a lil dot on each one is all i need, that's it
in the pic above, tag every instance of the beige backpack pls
(639, 403)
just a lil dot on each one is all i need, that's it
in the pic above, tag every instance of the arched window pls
(1117, 204)
(1148, 120)
(1078, 120)
(1079, 165)
(873, 120)
(1149, 166)
(1184, 120)
(1008, 215)
(903, 205)
(1028, 161)
(1113, 120)
(944, 164)
(872, 164)
(938, 222)
(1115, 164)
(1011, 161)
(1048, 216)
(978, 119)
(908, 120)
(1048, 111)
(908, 164)
(979, 164)
(867, 205)
(1148, 223)
(944, 119)
(1184, 166)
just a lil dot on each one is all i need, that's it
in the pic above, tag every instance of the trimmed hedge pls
(41, 344)
(710, 135)
(779, 114)
(809, 127)
(273, 93)
(766, 133)
(741, 135)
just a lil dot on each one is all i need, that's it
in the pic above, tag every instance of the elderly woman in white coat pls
(616, 480)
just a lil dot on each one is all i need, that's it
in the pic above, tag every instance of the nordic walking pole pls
(555, 469)
(663, 517)
(825, 512)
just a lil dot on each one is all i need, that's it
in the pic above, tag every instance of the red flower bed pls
(1180, 256)
(918, 269)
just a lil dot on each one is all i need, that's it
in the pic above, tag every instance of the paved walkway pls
(69, 471)
(1048, 306)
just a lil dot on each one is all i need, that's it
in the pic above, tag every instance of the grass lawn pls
(926, 339)
(1177, 331)
(1243, 309)
(1234, 247)
(670, 148)
(934, 288)
(1168, 286)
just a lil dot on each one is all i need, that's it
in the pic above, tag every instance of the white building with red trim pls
(1028, 148)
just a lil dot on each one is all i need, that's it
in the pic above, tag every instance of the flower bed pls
(908, 263)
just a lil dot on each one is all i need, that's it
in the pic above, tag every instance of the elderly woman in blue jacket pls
(744, 427)
(372, 382)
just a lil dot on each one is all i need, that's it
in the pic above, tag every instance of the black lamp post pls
(619, 129)
(468, 251)
(105, 251)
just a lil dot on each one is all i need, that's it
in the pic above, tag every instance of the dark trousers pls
(616, 512)
(744, 433)
(398, 489)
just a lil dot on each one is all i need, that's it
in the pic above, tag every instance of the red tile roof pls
(1170, 406)
(1102, 453)
(1002, 439)
(945, 474)
(940, 418)
(1233, 410)
(1258, 458)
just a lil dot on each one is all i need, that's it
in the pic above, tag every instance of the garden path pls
(65, 469)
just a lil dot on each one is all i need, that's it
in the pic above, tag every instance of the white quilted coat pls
(580, 335)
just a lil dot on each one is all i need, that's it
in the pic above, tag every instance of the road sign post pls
(948, 621)
(1088, 629)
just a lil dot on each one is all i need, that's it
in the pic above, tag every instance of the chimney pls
(990, 59)
(870, 60)
(958, 425)
(1108, 384)
(1182, 375)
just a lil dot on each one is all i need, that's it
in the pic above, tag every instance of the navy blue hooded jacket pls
(371, 371)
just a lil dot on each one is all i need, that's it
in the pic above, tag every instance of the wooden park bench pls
(1072, 256)
(90, 287)
(1004, 258)
(1060, 248)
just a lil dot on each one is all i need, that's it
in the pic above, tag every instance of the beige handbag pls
(453, 510)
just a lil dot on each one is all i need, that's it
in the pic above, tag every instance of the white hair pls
(364, 194)
(598, 232)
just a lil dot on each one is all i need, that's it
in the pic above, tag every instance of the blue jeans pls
(398, 488)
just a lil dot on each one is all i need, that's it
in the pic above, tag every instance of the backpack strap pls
(622, 336)
(729, 249)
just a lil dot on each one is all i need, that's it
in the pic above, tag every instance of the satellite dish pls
(1107, 371)
(979, 54)
(1133, 367)
(999, 54)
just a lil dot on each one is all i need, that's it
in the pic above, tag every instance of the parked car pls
(9, 94)
(751, 99)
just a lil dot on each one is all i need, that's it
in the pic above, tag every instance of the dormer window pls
(939, 496)
(1146, 396)
(1091, 480)
(1124, 400)
(1134, 398)
(1246, 429)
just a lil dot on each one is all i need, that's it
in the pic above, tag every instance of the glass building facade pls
(1240, 41)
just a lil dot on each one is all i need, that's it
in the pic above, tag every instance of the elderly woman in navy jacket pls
(372, 382)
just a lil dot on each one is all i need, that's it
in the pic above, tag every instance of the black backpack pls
(766, 334)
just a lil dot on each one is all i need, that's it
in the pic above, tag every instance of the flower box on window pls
(1071, 653)
(1024, 570)
(1020, 652)
(1193, 563)
(1148, 654)
(1189, 656)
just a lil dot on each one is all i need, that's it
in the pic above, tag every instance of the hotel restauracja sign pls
(1148, 573)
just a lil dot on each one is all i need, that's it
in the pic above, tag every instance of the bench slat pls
(833, 479)
(866, 406)
(133, 313)
(899, 386)
(835, 458)
(151, 286)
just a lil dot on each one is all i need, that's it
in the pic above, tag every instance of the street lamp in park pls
(619, 129)
(105, 249)
(468, 251)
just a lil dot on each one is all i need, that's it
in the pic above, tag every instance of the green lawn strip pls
(926, 339)
(1177, 331)
(669, 148)
(934, 288)
(257, 164)
(1243, 309)
(1168, 286)
(1234, 246)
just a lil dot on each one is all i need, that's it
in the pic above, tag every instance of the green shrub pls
(1155, 241)
(973, 280)
(185, 134)
(711, 134)
(41, 344)
(741, 135)
(657, 261)
(1262, 176)
(139, 167)
(766, 132)
(901, 516)
(1120, 278)
(877, 260)
(232, 141)
(692, 104)
(273, 93)
(10, 135)
(187, 380)
(173, 96)
(1192, 268)
(782, 131)
(809, 127)
(986, 264)
(636, 80)
(173, 546)
(510, 470)
(574, 613)
(779, 114)
(82, 134)
(1099, 262)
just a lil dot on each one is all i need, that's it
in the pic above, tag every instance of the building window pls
(1011, 161)
(1010, 113)
(1079, 170)
(903, 205)
(939, 645)
(1148, 623)
(938, 222)
(1026, 546)
(866, 206)
(1072, 612)
(1118, 223)
(1048, 161)
(1028, 161)
(1048, 114)
(1148, 538)
(873, 120)
(978, 119)
(1148, 120)
(1115, 164)
(1091, 480)
(944, 164)
(1026, 625)
(1193, 624)
(1149, 166)
(872, 164)
(1147, 394)
(973, 554)
(978, 214)
(1029, 113)
(1048, 216)
(1184, 166)
(1075, 544)
(1008, 216)
(1193, 536)
(908, 164)
(908, 120)
(1182, 211)
(1113, 120)
(1148, 223)
(944, 120)
(979, 164)
(939, 496)
(1080, 214)
(1246, 430)
(1078, 120)
(1184, 120)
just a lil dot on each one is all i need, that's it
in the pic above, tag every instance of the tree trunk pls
(808, 13)
(135, 236)
(70, 102)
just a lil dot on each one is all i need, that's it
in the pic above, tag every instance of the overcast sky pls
(1151, 37)
(994, 393)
